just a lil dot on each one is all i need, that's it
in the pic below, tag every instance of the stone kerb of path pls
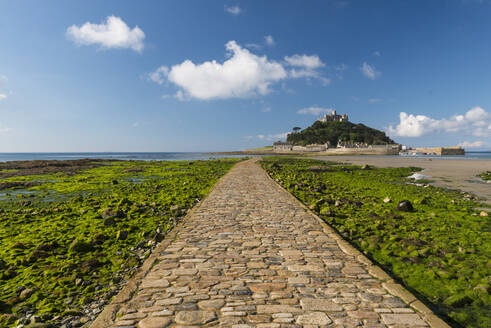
(251, 255)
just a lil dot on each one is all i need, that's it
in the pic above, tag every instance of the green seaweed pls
(485, 175)
(74, 238)
(441, 250)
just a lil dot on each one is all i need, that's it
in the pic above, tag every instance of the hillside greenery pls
(439, 248)
(332, 132)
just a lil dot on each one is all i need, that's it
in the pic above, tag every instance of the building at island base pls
(440, 151)
(342, 148)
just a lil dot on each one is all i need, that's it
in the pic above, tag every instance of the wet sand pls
(448, 173)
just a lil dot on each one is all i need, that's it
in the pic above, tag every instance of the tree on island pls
(332, 132)
(296, 129)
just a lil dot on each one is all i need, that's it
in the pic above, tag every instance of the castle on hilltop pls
(333, 117)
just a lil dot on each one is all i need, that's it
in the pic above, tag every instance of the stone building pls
(281, 146)
(333, 117)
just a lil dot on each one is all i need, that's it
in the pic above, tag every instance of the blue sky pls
(226, 75)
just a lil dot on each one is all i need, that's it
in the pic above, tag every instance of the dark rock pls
(405, 206)
(99, 239)
(36, 255)
(158, 237)
(81, 246)
(9, 273)
(175, 209)
(109, 222)
(3, 306)
(365, 167)
(457, 301)
(47, 247)
(122, 235)
(19, 245)
(91, 264)
(19, 288)
(112, 213)
(3, 265)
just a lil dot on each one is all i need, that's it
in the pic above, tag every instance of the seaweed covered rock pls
(19, 245)
(405, 206)
(81, 246)
(111, 213)
(99, 239)
(26, 293)
(122, 235)
(36, 255)
(91, 264)
(48, 247)
(109, 222)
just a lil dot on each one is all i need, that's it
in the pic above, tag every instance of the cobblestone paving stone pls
(251, 256)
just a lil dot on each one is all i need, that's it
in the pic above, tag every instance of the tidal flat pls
(439, 247)
(72, 232)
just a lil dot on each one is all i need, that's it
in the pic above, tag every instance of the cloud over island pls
(475, 121)
(113, 33)
(244, 74)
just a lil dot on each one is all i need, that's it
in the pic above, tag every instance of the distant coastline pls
(178, 156)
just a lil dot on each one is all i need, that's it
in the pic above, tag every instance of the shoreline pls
(448, 173)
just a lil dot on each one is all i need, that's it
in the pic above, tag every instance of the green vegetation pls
(261, 148)
(332, 132)
(72, 238)
(441, 249)
(486, 175)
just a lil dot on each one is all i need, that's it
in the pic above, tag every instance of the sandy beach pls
(448, 173)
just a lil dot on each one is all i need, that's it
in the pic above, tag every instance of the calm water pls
(5, 157)
(468, 155)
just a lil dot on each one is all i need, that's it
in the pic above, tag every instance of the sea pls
(172, 156)
(140, 156)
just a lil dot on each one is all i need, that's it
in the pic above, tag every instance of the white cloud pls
(305, 61)
(243, 74)
(374, 100)
(369, 71)
(476, 121)
(468, 144)
(234, 10)
(268, 39)
(113, 33)
(4, 129)
(3, 81)
(306, 66)
(159, 75)
(315, 110)
(272, 137)
(266, 110)
(376, 53)
(339, 69)
(136, 124)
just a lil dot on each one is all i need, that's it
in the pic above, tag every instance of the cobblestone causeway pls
(252, 256)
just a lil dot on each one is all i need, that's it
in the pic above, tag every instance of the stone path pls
(251, 256)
